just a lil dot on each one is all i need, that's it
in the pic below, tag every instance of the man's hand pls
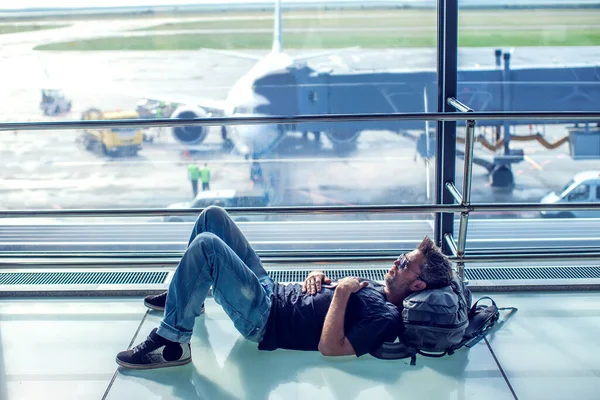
(313, 281)
(351, 284)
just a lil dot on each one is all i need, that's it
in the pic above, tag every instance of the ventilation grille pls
(289, 275)
(83, 278)
(535, 273)
(299, 275)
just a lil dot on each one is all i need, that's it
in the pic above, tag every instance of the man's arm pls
(333, 340)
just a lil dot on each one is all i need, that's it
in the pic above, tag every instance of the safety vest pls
(194, 172)
(205, 175)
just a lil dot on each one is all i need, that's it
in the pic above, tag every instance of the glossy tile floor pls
(65, 349)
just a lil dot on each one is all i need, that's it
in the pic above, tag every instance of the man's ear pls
(418, 285)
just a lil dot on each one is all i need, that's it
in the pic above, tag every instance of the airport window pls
(528, 57)
(286, 59)
(283, 58)
(305, 180)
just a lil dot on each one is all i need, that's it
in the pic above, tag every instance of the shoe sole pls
(154, 366)
(153, 307)
(159, 308)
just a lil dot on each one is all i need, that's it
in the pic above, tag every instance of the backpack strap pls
(395, 351)
(458, 287)
(434, 355)
(481, 320)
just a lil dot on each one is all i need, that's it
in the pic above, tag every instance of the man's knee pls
(207, 242)
(214, 214)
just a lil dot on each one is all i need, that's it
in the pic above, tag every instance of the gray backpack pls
(438, 322)
(436, 319)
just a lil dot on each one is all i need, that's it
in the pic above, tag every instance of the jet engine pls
(343, 140)
(193, 134)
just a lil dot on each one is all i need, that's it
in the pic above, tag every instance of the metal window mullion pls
(447, 69)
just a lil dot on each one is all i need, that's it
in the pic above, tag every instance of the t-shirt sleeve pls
(370, 333)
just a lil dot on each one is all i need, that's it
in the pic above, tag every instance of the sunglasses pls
(404, 265)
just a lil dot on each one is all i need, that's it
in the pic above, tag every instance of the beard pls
(388, 280)
(393, 284)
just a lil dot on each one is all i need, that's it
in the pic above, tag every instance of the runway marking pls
(533, 163)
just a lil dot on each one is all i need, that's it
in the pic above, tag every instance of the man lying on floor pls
(350, 316)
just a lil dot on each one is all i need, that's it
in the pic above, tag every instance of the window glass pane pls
(198, 61)
(534, 58)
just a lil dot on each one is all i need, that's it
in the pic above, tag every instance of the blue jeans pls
(218, 255)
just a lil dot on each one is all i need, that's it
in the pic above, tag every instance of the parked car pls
(225, 198)
(584, 187)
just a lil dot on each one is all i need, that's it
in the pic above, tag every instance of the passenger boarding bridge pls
(72, 283)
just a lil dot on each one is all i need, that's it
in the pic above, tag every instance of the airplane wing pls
(323, 53)
(256, 57)
(237, 54)
(215, 107)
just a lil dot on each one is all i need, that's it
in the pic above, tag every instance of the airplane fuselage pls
(278, 87)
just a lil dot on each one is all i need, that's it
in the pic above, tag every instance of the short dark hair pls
(436, 270)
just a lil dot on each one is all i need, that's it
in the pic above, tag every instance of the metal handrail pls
(459, 105)
(401, 209)
(296, 119)
(454, 192)
(458, 248)
(355, 255)
(463, 206)
(451, 244)
(145, 212)
(300, 258)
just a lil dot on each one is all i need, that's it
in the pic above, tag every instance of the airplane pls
(243, 99)
(281, 85)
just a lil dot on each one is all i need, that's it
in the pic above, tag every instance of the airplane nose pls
(256, 139)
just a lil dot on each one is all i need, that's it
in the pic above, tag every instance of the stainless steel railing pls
(463, 199)
(462, 206)
(400, 209)
(218, 121)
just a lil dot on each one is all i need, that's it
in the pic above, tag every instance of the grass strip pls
(330, 40)
(6, 29)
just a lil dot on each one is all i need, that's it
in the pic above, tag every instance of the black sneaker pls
(157, 302)
(155, 352)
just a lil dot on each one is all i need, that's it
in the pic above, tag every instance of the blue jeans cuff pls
(172, 334)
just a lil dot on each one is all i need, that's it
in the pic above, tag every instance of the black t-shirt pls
(296, 319)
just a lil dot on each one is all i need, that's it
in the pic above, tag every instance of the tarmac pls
(49, 170)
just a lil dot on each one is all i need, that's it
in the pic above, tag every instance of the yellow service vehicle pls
(112, 141)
